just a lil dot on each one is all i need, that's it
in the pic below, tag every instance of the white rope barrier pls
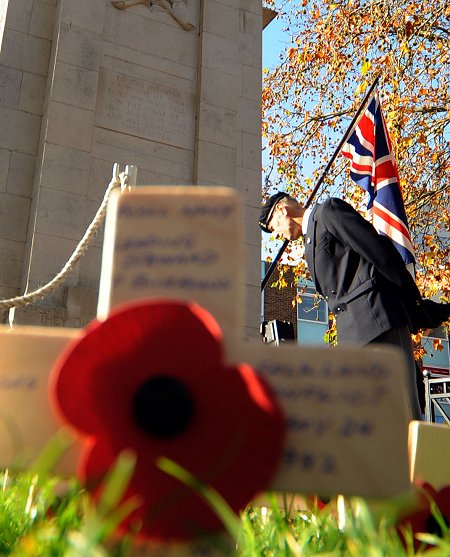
(122, 180)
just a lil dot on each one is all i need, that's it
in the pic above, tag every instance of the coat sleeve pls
(354, 231)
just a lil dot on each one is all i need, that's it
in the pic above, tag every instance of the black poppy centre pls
(433, 526)
(163, 406)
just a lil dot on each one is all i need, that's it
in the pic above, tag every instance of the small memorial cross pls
(173, 259)
(345, 407)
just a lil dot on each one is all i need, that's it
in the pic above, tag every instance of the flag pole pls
(322, 178)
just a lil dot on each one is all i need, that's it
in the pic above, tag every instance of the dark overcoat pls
(359, 273)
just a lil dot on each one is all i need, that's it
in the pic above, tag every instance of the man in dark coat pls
(358, 272)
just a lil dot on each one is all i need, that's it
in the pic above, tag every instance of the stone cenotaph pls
(172, 88)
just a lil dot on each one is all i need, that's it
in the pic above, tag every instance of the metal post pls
(428, 403)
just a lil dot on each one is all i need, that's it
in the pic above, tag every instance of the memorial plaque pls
(144, 109)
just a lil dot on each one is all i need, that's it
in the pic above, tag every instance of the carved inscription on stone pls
(144, 109)
(50, 317)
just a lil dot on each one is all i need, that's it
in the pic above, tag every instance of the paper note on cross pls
(346, 423)
(345, 410)
(178, 243)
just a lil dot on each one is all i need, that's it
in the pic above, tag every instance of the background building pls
(296, 303)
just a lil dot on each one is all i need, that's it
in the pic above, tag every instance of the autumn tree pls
(334, 51)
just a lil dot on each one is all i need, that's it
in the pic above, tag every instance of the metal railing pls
(437, 397)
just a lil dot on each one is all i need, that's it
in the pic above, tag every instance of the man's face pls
(283, 225)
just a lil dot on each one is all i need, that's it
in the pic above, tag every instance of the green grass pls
(351, 531)
(42, 515)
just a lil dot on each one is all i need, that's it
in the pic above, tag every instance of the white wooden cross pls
(346, 413)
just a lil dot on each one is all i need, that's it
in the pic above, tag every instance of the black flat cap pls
(268, 209)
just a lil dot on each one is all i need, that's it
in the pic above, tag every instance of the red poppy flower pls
(421, 520)
(151, 378)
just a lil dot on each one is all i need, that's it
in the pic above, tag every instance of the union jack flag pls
(373, 167)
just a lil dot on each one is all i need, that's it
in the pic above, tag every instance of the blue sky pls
(274, 40)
